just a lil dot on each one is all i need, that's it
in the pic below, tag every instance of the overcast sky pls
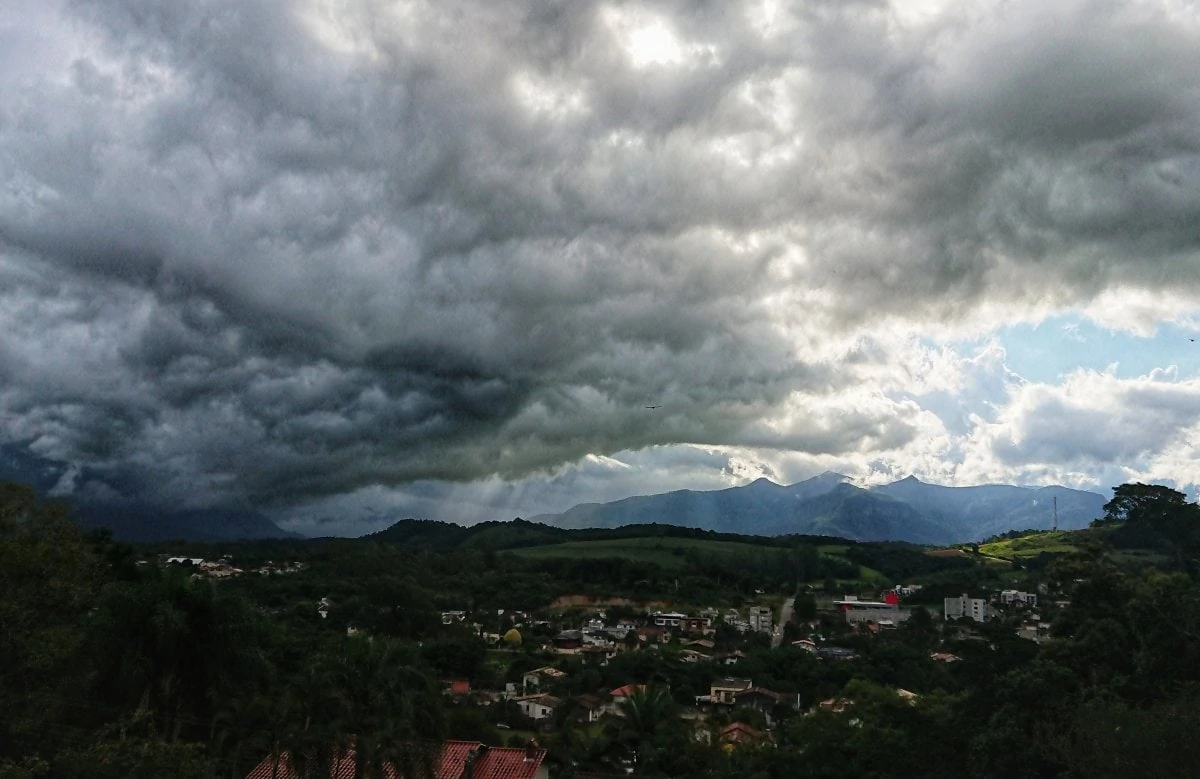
(347, 260)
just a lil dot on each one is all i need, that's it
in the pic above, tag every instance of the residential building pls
(670, 619)
(533, 680)
(836, 653)
(538, 707)
(738, 733)
(761, 619)
(624, 692)
(653, 634)
(568, 642)
(1018, 598)
(762, 699)
(726, 690)
(966, 607)
(588, 709)
(858, 611)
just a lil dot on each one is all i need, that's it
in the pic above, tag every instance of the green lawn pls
(1059, 542)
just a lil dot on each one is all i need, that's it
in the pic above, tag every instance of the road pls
(785, 616)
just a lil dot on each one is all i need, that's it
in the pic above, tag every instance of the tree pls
(1164, 510)
(1139, 502)
(388, 712)
(647, 716)
(49, 580)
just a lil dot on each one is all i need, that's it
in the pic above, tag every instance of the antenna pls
(1056, 512)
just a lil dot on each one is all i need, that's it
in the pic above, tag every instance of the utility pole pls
(1056, 513)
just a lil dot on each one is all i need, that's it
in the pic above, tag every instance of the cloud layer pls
(278, 253)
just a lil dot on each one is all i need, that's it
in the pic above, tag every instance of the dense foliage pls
(111, 668)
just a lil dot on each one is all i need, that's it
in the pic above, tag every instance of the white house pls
(1011, 597)
(538, 707)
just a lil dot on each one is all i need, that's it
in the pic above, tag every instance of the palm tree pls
(242, 727)
(648, 714)
(388, 712)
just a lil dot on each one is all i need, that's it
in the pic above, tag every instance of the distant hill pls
(145, 525)
(906, 510)
(133, 522)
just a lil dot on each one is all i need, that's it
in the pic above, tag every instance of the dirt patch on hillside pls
(569, 601)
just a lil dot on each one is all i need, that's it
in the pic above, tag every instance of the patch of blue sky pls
(1048, 350)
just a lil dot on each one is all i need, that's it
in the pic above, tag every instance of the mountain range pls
(830, 505)
(826, 505)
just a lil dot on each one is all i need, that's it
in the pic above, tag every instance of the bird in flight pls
(653, 407)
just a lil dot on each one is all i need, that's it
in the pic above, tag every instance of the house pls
(622, 693)
(700, 643)
(807, 644)
(836, 653)
(835, 705)
(692, 656)
(1033, 629)
(858, 611)
(450, 617)
(599, 653)
(1018, 598)
(532, 680)
(944, 657)
(651, 634)
(568, 642)
(966, 607)
(731, 658)
(669, 619)
(458, 688)
(626, 691)
(538, 707)
(725, 690)
(762, 699)
(455, 760)
(588, 709)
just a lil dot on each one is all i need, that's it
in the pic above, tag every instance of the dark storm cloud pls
(268, 251)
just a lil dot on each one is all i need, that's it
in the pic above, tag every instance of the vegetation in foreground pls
(109, 668)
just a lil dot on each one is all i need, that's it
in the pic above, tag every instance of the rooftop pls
(489, 763)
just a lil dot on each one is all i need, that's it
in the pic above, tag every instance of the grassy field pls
(667, 552)
(1030, 546)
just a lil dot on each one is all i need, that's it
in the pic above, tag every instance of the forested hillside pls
(118, 664)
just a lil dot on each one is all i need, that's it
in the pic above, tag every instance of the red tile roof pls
(740, 733)
(626, 690)
(490, 763)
